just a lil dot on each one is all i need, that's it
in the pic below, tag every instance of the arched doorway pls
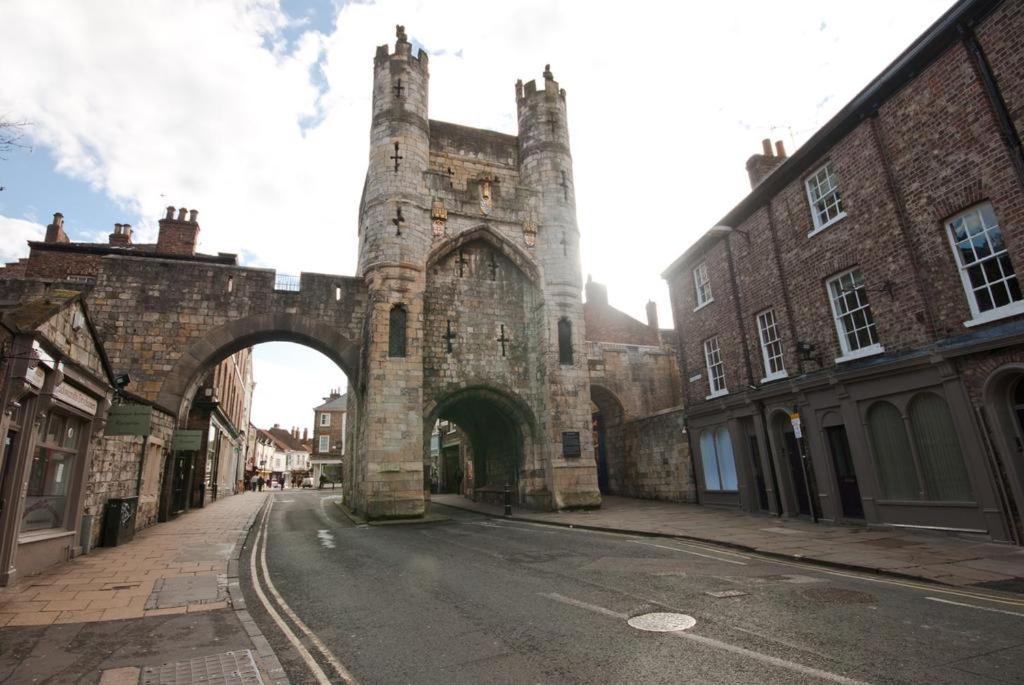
(795, 467)
(498, 429)
(1003, 411)
(606, 419)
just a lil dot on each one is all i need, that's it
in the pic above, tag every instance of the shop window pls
(51, 474)
(920, 458)
(942, 463)
(718, 461)
(896, 470)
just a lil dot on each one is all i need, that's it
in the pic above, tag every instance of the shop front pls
(56, 395)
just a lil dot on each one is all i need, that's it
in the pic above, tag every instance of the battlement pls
(529, 90)
(403, 51)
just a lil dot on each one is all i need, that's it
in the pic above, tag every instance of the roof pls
(285, 439)
(139, 250)
(339, 403)
(904, 69)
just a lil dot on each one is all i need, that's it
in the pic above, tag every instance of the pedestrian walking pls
(259, 483)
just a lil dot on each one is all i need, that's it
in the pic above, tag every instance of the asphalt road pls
(478, 600)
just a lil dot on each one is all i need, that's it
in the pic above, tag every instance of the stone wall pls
(114, 472)
(652, 458)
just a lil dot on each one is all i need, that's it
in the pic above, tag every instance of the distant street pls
(477, 600)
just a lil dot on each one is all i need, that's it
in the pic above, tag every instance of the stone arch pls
(203, 354)
(501, 429)
(609, 440)
(486, 234)
(1006, 427)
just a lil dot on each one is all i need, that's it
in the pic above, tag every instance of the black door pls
(796, 472)
(755, 462)
(846, 477)
(179, 481)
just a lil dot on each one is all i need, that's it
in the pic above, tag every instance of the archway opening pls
(476, 445)
(1003, 415)
(266, 410)
(606, 415)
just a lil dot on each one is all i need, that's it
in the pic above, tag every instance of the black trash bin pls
(119, 520)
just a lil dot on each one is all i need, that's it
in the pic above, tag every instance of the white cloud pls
(16, 232)
(208, 104)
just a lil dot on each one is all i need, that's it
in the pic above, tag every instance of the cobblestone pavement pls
(949, 559)
(171, 568)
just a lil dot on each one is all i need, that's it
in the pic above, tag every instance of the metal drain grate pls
(229, 668)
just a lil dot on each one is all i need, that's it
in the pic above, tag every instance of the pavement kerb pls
(358, 520)
(837, 565)
(261, 646)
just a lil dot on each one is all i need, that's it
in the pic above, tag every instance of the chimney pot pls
(117, 228)
(779, 149)
(181, 214)
(194, 214)
(58, 220)
(766, 145)
(170, 212)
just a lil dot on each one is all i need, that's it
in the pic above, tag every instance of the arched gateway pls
(466, 304)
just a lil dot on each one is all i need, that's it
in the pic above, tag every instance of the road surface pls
(479, 600)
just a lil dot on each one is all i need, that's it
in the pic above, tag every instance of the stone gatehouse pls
(466, 306)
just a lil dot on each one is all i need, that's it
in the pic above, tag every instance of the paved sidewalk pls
(171, 568)
(948, 559)
(168, 602)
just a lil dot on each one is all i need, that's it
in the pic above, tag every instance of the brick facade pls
(908, 153)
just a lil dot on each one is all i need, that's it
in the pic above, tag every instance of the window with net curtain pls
(918, 458)
(718, 461)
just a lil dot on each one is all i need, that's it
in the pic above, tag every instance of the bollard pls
(508, 499)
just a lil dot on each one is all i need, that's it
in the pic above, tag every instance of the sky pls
(257, 113)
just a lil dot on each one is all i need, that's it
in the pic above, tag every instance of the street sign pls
(794, 419)
(187, 440)
(129, 419)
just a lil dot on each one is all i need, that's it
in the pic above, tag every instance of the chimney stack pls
(122, 235)
(178, 236)
(597, 293)
(652, 315)
(305, 434)
(55, 231)
(759, 166)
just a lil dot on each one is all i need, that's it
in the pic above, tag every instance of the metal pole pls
(508, 499)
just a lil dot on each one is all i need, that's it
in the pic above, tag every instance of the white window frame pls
(830, 174)
(713, 360)
(702, 283)
(837, 318)
(766, 356)
(320, 444)
(325, 418)
(979, 317)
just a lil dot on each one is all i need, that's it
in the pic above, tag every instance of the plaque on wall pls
(571, 444)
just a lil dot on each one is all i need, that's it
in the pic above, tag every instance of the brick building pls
(328, 446)
(850, 332)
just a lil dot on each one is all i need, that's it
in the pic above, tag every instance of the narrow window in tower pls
(564, 341)
(396, 331)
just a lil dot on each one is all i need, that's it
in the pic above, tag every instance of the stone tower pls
(470, 251)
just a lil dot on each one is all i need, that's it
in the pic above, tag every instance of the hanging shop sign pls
(187, 440)
(129, 419)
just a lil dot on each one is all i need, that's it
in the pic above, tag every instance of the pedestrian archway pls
(607, 416)
(499, 431)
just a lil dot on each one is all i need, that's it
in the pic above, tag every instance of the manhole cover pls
(229, 668)
(662, 622)
(834, 595)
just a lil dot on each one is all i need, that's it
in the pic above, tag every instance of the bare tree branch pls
(12, 135)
